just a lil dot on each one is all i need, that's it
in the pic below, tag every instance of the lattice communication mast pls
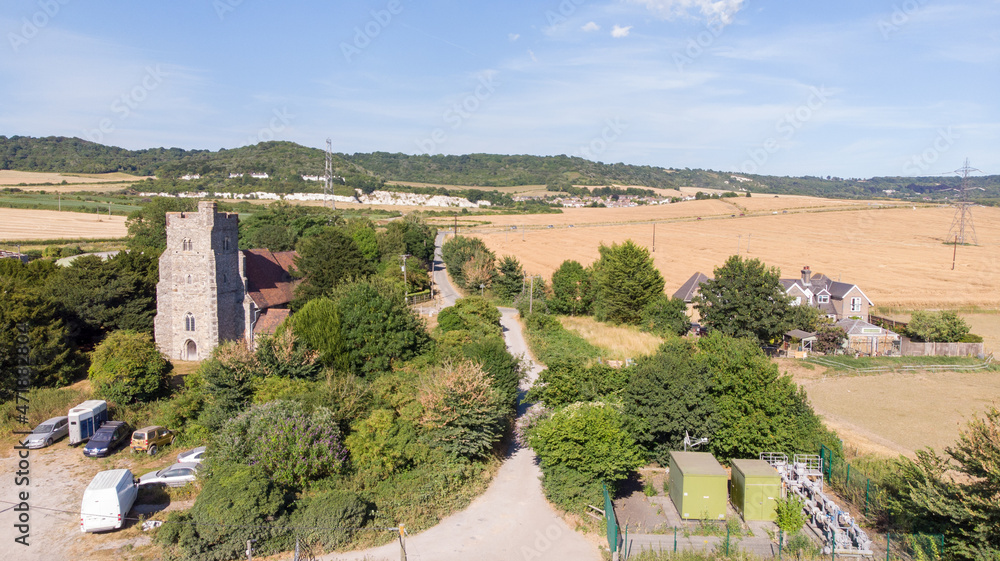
(962, 229)
(328, 177)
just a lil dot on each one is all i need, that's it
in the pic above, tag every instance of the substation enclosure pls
(756, 486)
(698, 486)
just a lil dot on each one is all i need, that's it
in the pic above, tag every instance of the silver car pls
(48, 432)
(176, 475)
(195, 455)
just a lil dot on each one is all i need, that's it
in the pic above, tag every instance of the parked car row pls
(89, 422)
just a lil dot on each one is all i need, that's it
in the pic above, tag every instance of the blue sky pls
(851, 88)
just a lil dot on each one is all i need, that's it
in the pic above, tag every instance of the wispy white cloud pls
(591, 26)
(513, 36)
(713, 10)
(619, 31)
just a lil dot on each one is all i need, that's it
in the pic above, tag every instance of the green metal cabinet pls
(755, 488)
(698, 486)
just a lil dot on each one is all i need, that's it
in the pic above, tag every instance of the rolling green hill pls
(286, 162)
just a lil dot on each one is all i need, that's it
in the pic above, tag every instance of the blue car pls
(110, 436)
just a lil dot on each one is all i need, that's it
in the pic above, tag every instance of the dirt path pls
(511, 520)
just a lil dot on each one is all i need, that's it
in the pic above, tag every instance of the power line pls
(244, 526)
(962, 230)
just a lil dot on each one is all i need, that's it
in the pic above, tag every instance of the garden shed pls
(754, 489)
(698, 486)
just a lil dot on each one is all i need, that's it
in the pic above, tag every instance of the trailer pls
(86, 418)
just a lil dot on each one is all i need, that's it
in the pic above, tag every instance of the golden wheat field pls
(10, 177)
(19, 224)
(895, 253)
(899, 413)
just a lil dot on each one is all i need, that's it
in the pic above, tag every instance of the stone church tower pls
(201, 292)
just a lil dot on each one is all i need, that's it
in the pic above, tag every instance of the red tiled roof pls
(269, 320)
(269, 282)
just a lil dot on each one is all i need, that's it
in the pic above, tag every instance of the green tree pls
(471, 313)
(127, 368)
(147, 227)
(745, 299)
(668, 394)
(830, 338)
(510, 280)
(957, 496)
(317, 325)
(627, 281)
(939, 327)
(377, 328)
(572, 289)
(104, 296)
(664, 316)
(30, 320)
(458, 251)
(326, 260)
(756, 409)
(362, 231)
(790, 516)
(581, 446)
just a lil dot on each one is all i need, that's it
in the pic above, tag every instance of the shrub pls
(473, 314)
(330, 518)
(504, 369)
(237, 503)
(127, 368)
(381, 445)
(937, 327)
(551, 342)
(583, 445)
(568, 381)
(665, 316)
(463, 413)
(290, 446)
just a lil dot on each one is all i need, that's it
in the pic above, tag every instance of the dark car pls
(110, 436)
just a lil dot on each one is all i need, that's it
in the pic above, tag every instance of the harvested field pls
(896, 255)
(18, 224)
(10, 177)
(621, 341)
(915, 410)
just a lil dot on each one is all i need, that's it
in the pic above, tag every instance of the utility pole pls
(402, 542)
(456, 224)
(748, 243)
(406, 285)
(250, 550)
(954, 253)
(531, 296)
(654, 237)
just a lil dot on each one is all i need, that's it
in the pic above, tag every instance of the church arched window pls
(186, 244)
(225, 244)
(189, 322)
(189, 279)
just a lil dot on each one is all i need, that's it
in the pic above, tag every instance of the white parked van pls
(107, 500)
(86, 418)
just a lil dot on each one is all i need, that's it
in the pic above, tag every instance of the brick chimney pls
(806, 276)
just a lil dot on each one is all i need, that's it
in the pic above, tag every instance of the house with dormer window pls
(835, 299)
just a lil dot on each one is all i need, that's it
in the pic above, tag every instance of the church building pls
(210, 291)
